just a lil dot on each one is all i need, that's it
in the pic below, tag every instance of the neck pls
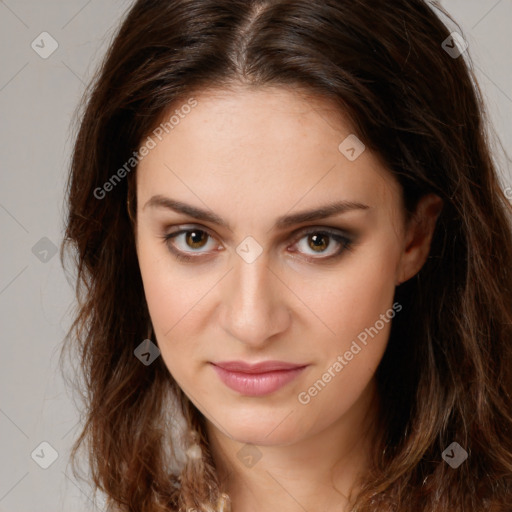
(316, 473)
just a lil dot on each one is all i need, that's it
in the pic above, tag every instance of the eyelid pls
(344, 240)
(295, 235)
(182, 229)
(347, 240)
(299, 233)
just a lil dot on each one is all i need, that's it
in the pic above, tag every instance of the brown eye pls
(196, 239)
(189, 243)
(318, 242)
(327, 244)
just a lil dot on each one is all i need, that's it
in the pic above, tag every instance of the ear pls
(418, 237)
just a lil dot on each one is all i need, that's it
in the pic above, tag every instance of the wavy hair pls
(447, 372)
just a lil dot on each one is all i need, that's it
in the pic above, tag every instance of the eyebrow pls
(285, 221)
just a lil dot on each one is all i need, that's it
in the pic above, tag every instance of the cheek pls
(352, 297)
(173, 290)
(359, 313)
(173, 299)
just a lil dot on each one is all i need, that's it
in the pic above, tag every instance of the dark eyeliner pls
(178, 254)
(345, 242)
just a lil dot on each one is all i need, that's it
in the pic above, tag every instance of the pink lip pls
(256, 379)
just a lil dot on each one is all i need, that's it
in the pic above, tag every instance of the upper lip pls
(262, 367)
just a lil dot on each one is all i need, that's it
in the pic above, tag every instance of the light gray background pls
(37, 100)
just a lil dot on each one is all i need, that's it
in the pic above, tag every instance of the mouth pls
(257, 379)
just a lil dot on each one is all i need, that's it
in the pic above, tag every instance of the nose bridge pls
(254, 307)
(252, 282)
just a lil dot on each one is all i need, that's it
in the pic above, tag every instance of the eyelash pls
(346, 244)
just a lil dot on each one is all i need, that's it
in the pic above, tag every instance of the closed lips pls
(256, 379)
(263, 367)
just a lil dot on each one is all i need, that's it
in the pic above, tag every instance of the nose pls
(254, 308)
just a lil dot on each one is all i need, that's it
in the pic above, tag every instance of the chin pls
(262, 429)
(260, 437)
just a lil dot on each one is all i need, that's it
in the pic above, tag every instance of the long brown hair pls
(446, 375)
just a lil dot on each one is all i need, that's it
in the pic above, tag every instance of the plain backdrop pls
(38, 97)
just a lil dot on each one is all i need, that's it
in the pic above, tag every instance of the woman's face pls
(239, 186)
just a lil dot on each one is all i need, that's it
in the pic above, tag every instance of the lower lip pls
(257, 384)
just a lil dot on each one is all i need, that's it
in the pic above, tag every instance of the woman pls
(293, 253)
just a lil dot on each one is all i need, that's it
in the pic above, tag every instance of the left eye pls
(320, 242)
(192, 238)
(192, 241)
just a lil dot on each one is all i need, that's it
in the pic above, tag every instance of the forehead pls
(260, 148)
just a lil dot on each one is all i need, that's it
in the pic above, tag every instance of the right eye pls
(181, 242)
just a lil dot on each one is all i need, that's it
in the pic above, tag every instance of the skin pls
(251, 156)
